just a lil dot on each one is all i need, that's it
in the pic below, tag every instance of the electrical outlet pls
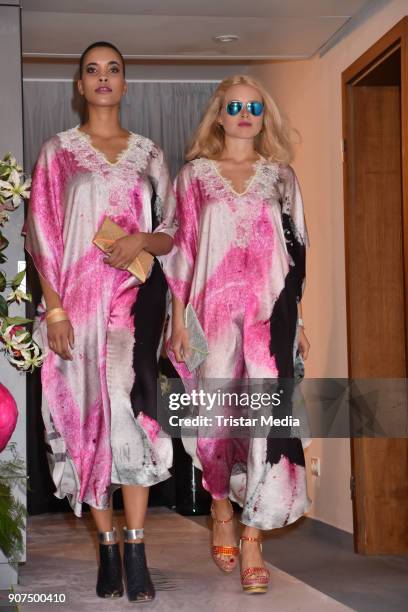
(315, 466)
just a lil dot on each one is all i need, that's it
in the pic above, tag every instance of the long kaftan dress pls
(97, 441)
(239, 259)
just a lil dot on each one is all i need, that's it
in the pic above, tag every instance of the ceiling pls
(184, 29)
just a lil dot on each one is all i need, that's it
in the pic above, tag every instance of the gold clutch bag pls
(108, 234)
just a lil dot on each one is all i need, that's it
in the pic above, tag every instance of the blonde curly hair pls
(274, 142)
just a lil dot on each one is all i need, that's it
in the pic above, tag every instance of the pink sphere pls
(8, 416)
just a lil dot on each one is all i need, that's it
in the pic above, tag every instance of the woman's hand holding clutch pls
(124, 250)
(179, 342)
(303, 344)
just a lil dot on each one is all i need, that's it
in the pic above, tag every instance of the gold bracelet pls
(57, 317)
(52, 311)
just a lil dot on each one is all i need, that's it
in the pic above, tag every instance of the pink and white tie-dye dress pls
(96, 440)
(239, 259)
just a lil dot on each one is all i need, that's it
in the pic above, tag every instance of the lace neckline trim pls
(261, 183)
(249, 181)
(121, 156)
(134, 159)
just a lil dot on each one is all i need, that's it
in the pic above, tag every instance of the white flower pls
(20, 349)
(13, 189)
(29, 358)
(7, 164)
(18, 296)
(13, 164)
(16, 340)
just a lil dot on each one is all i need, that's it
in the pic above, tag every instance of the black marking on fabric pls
(283, 323)
(148, 312)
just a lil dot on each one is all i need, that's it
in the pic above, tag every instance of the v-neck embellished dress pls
(239, 259)
(96, 440)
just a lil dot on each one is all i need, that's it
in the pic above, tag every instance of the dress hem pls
(257, 525)
(76, 505)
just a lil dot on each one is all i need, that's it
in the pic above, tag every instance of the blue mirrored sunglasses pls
(234, 107)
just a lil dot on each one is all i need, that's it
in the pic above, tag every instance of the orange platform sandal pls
(224, 557)
(254, 579)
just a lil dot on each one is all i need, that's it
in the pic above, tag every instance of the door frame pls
(394, 38)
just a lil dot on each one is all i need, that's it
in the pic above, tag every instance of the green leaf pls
(3, 281)
(12, 515)
(12, 511)
(3, 242)
(3, 307)
(16, 320)
(17, 280)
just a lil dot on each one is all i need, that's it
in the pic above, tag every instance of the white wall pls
(309, 91)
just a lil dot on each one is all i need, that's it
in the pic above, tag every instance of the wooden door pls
(376, 270)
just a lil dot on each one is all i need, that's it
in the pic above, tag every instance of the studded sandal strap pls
(229, 551)
(249, 539)
(256, 572)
